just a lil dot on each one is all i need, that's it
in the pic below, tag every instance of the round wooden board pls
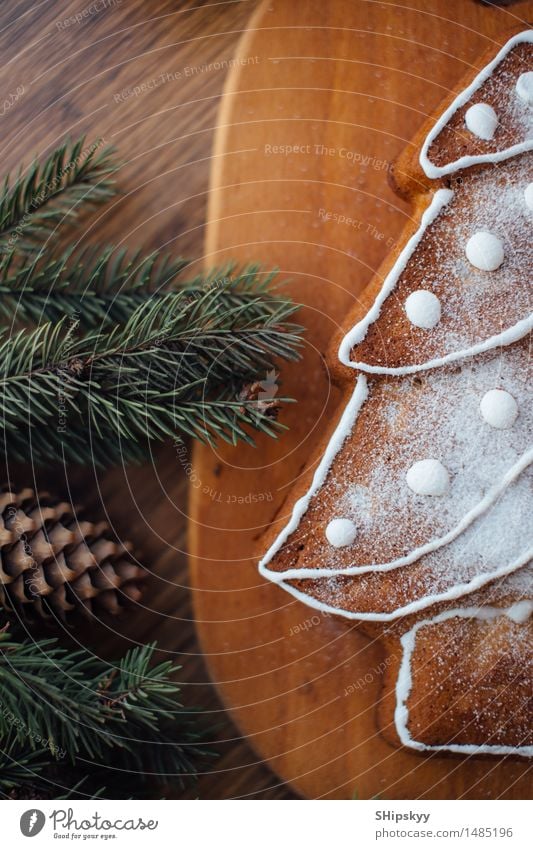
(346, 85)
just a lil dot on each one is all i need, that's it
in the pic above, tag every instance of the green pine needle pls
(50, 193)
(71, 708)
(103, 352)
(102, 285)
(179, 366)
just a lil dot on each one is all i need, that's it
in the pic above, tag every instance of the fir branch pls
(29, 774)
(176, 367)
(103, 285)
(91, 714)
(98, 286)
(53, 191)
(19, 764)
(124, 351)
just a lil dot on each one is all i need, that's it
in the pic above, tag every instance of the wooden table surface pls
(146, 75)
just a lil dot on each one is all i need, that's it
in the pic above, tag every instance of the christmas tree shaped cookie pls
(417, 518)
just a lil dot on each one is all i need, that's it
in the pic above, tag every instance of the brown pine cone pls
(52, 563)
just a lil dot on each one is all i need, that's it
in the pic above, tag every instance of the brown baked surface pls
(484, 671)
(454, 141)
(391, 444)
(472, 683)
(475, 307)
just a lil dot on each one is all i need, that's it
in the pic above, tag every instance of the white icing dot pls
(499, 409)
(524, 87)
(423, 309)
(481, 120)
(341, 532)
(428, 477)
(528, 195)
(485, 251)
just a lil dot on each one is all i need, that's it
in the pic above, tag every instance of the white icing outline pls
(435, 171)
(451, 594)
(341, 432)
(404, 683)
(358, 332)
(488, 500)
(506, 337)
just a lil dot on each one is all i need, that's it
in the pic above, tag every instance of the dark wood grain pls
(95, 75)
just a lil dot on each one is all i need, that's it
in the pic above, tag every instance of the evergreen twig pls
(102, 285)
(91, 714)
(51, 192)
(19, 764)
(103, 351)
(177, 367)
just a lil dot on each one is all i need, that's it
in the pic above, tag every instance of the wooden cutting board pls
(323, 97)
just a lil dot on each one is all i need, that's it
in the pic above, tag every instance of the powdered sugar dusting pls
(513, 134)
(513, 645)
(476, 304)
(438, 416)
(441, 419)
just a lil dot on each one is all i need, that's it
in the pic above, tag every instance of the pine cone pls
(52, 563)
